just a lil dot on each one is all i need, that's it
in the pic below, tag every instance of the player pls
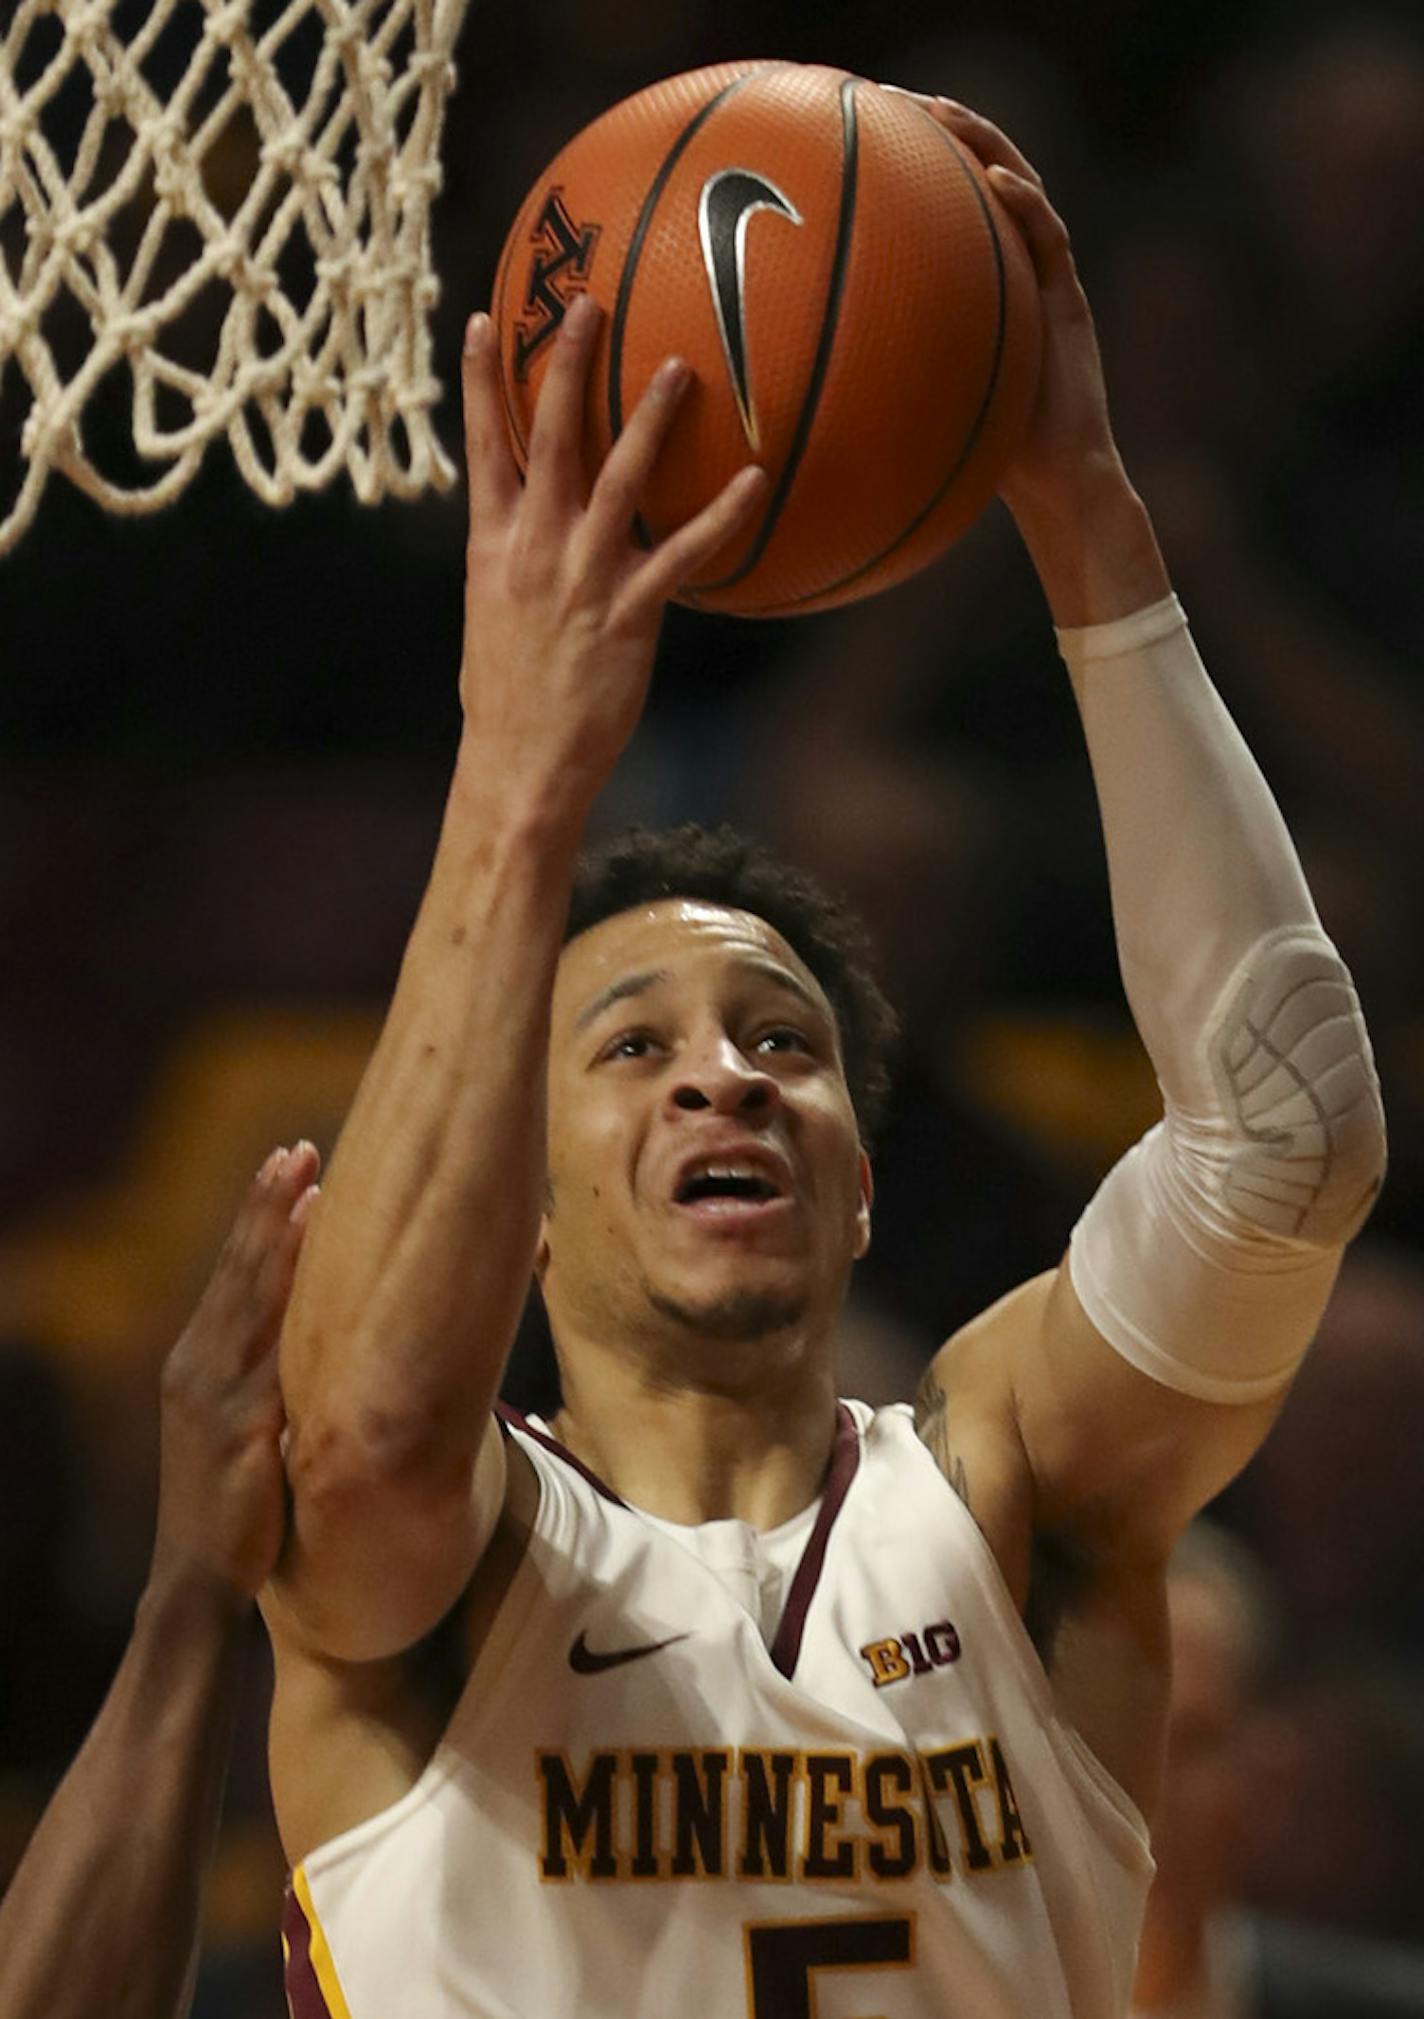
(120, 1853)
(717, 1691)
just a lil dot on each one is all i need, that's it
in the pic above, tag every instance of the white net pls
(224, 207)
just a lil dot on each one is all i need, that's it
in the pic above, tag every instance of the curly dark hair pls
(644, 865)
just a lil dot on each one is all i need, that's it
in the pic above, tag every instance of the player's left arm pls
(1140, 1379)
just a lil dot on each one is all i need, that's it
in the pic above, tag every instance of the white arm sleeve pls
(1208, 1253)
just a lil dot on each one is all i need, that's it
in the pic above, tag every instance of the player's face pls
(705, 1170)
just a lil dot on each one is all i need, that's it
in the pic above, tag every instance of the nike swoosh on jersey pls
(727, 202)
(584, 1660)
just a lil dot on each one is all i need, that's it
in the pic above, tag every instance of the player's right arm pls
(419, 1257)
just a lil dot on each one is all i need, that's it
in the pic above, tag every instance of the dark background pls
(224, 734)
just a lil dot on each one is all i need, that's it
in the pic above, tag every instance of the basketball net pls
(235, 217)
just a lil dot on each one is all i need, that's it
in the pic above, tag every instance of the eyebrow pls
(637, 984)
(770, 971)
(618, 991)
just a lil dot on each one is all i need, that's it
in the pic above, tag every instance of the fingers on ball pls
(990, 142)
(683, 553)
(621, 483)
(494, 479)
(556, 441)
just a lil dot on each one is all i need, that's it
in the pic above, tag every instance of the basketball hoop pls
(234, 217)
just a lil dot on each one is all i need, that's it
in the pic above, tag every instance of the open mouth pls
(727, 1186)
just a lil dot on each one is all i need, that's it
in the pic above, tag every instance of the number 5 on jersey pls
(781, 1956)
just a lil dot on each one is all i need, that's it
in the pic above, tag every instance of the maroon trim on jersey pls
(845, 1458)
(508, 1415)
(304, 1999)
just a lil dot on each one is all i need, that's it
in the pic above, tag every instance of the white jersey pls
(640, 1810)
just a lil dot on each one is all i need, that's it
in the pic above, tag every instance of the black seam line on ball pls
(845, 226)
(634, 253)
(908, 532)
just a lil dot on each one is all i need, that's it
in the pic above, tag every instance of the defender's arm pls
(102, 1915)
(122, 1849)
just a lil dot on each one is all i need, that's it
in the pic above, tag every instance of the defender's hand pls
(562, 606)
(222, 1490)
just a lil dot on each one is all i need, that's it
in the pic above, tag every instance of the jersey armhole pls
(1121, 1815)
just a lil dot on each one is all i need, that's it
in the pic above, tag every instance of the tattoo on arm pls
(932, 1424)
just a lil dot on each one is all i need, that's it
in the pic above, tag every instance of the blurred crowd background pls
(224, 735)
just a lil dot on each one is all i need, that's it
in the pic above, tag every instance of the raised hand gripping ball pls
(860, 312)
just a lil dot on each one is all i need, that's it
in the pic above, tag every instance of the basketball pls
(859, 310)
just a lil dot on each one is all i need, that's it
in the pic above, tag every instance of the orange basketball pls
(859, 310)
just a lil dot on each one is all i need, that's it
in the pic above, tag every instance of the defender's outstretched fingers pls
(556, 479)
(247, 1293)
(618, 491)
(682, 553)
(489, 460)
(292, 1201)
(274, 1195)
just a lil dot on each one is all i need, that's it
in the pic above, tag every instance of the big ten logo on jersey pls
(561, 254)
(906, 1654)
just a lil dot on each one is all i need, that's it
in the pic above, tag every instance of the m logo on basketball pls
(563, 254)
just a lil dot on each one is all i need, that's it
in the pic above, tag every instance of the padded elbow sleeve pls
(1209, 1251)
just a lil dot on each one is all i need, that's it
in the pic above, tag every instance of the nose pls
(724, 1080)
